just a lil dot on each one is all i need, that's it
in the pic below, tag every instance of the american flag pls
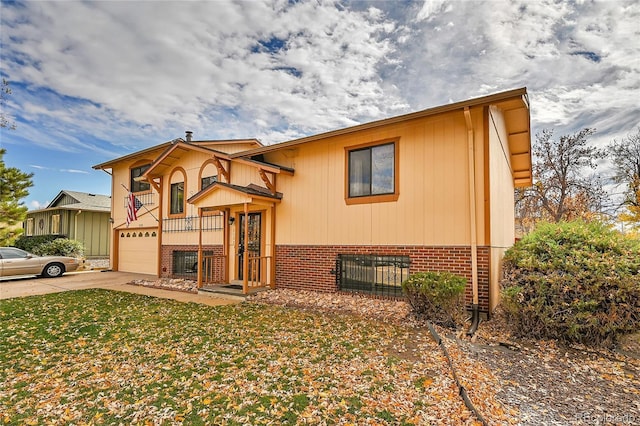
(133, 205)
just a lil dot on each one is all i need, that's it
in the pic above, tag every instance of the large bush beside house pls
(30, 243)
(60, 247)
(574, 281)
(436, 296)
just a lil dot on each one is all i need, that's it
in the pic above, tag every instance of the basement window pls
(379, 275)
(185, 264)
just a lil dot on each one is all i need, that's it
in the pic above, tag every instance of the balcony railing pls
(146, 199)
(192, 223)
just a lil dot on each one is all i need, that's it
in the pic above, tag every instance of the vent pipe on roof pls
(189, 134)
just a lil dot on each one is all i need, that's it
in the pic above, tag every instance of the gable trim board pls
(455, 170)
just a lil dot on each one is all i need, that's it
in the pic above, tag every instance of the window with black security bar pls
(378, 275)
(185, 264)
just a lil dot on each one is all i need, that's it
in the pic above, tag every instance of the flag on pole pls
(133, 205)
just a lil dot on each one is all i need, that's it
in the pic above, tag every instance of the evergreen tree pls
(13, 187)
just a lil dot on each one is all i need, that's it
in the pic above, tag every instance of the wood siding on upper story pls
(433, 203)
(501, 198)
(501, 181)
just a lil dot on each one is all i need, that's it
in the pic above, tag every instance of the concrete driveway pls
(30, 286)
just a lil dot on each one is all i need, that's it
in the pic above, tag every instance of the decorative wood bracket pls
(270, 183)
(155, 183)
(221, 170)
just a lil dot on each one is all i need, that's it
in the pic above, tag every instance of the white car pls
(14, 261)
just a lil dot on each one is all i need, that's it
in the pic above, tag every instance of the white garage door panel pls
(138, 251)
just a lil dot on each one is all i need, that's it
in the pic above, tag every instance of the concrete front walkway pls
(30, 286)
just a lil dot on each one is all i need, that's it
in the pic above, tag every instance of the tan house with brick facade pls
(356, 209)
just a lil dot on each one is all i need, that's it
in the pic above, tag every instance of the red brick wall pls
(309, 267)
(166, 256)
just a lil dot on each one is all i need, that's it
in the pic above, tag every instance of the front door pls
(249, 245)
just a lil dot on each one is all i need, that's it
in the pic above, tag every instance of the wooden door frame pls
(263, 237)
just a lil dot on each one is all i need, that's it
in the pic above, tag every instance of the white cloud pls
(38, 167)
(134, 73)
(74, 171)
(431, 8)
(578, 61)
(197, 63)
(37, 205)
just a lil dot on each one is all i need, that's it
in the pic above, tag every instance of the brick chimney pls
(189, 134)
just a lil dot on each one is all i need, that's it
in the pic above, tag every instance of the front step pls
(228, 292)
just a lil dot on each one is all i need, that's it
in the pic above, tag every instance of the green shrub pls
(574, 281)
(436, 296)
(60, 247)
(29, 243)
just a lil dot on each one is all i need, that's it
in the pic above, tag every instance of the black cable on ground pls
(461, 390)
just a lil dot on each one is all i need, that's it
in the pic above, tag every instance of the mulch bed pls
(173, 284)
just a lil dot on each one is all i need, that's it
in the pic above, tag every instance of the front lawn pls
(105, 357)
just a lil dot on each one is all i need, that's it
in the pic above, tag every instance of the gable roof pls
(516, 99)
(151, 150)
(172, 154)
(83, 201)
(514, 104)
(239, 194)
(156, 150)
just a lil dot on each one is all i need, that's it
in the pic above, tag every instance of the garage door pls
(138, 251)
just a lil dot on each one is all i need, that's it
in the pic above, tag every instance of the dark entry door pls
(249, 245)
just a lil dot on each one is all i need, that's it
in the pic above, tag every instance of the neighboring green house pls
(77, 216)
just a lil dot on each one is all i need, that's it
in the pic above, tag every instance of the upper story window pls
(55, 224)
(206, 182)
(137, 172)
(371, 172)
(177, 198)
(177, 185)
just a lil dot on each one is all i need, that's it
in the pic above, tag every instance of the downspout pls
(75, 225)
(160, 189)
(199, 266)
(272, 278)
(245, 252)
(475, 312)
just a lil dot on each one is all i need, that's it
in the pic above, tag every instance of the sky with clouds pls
(92, 81)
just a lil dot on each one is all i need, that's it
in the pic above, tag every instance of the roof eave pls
(109, 164)
(485, 100)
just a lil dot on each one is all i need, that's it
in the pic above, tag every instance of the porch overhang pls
(222, 194)
(172, 154)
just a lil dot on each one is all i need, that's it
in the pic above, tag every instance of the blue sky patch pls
(290, 70)
(592, 56)
(273, 45)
